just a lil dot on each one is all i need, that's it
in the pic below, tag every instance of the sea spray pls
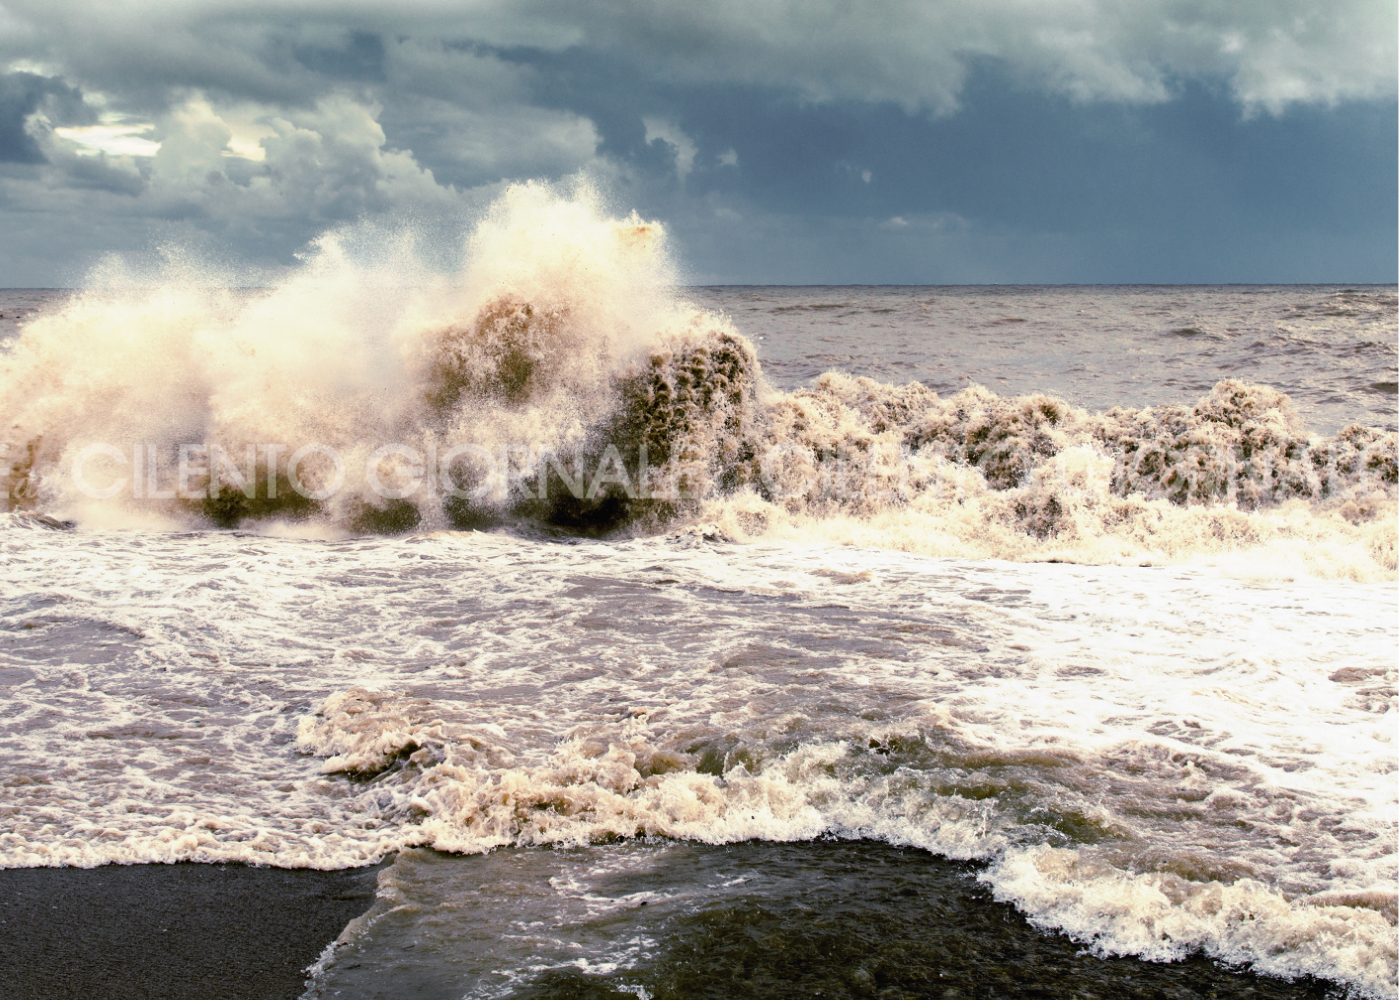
(559, 380)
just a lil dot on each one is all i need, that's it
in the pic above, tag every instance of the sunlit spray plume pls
(556, 379)
(525, 346)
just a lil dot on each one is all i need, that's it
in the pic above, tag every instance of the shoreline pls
(193, 931)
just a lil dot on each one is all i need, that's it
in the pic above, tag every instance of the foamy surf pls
(1154, 761)
(537, 554)
(1223, 831)
(558, 380)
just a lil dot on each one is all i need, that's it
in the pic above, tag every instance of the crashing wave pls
(558, 381)
(440, 779)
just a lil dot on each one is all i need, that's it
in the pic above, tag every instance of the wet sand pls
(754, 920)
(227, 932)
(162, 932)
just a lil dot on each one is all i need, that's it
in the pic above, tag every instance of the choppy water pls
(818, 733)
(1332, 348)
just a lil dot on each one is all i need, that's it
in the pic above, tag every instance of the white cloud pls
(248, 126)
(926, 222)
(116, 138)
(329, 163)
(210, 119)
(320, 166)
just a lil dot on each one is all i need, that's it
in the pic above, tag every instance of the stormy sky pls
(866, 141)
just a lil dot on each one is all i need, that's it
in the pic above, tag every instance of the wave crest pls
(559, 381)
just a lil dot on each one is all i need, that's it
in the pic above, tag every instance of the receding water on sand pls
(756, 919)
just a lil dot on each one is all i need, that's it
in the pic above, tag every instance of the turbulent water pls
(1088, 593)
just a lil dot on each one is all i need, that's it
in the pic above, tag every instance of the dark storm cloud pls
(21, 95)
(912, 52)
(914, 140)
(361, 58)
(1192, 178)
(97, 173)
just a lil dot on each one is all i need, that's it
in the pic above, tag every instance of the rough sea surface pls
(940, 623)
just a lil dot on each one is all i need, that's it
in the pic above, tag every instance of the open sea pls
(719, 642)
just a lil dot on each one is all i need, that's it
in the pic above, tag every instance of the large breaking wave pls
(558, 381)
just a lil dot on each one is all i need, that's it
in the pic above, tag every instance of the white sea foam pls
(559, 380)
(1157, 724)
(459, 791)
(1163, 917)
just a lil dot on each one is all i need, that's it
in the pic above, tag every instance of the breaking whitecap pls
(558, 381)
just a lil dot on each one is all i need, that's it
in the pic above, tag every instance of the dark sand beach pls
(197, 932)
(161, 932)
